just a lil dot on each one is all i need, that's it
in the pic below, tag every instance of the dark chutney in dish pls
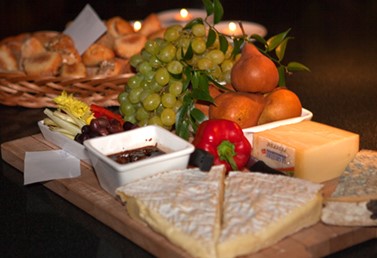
(128, 156)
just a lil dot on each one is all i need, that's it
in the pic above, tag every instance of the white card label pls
(85, 29)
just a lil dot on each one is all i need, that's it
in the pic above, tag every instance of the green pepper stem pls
(226, 152)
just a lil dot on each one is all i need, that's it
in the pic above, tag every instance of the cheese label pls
(277, 155)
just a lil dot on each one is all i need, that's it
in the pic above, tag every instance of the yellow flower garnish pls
(74, 107)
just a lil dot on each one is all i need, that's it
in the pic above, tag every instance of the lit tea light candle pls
(137, 25)
(183, 15)
(180, 16)
(232, 28)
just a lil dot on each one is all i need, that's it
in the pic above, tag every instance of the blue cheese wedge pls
(182, 205)
(353, 203)
(260, 209)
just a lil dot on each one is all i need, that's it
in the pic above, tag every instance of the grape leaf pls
(195, 80)
(188, 75)
(280, 49)
(202, 94)
(281, 71)
(223, 43)
(182, 119)
(197, 115)
(276, 40)
(296, 66)
(237, 43)
(216, 83)
(259, 39)
(193, 22)
(211, 38)
(189, 53)
(208, 6)
(218, 11)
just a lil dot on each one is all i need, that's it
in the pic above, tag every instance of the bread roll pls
(129, 45)
(76, 70)
(31, 47)
(150, 25)
(96, 54)
(64, 45)
(91, 71)
(44, 64)
(8, 62)
(106, 40)
(117, 27)
(157, 34)
(14, 43)
(113, 67)
(45, 36)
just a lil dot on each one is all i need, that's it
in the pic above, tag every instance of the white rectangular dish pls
(305, 115)
(72, 147)
(112, 174)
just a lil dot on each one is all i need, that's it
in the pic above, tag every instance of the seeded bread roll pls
(129, 45)
(44, 64)
(96, 54)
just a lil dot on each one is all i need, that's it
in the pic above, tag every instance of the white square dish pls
(112, 174)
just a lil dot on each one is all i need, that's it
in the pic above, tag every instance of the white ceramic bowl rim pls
(187, 148)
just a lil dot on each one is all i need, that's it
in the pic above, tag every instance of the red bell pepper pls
(101, 111)
(226, 141)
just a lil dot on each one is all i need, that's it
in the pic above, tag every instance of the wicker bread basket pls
(32, 92)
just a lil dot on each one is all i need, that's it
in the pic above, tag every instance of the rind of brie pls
(259, 210)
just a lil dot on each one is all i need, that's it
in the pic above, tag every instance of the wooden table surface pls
(336, 39)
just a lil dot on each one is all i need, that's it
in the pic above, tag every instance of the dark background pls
(337, 40)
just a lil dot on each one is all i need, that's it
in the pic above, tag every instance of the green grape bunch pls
(172, 73)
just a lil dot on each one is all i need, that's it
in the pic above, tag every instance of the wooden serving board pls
(85, 192)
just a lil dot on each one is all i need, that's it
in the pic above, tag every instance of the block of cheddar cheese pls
(310, 150)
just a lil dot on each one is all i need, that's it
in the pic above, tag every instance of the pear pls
(244, 108)
(280, 104)
(254, 72)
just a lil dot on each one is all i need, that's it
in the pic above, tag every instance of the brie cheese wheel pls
(182, 205)
(261, 209)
